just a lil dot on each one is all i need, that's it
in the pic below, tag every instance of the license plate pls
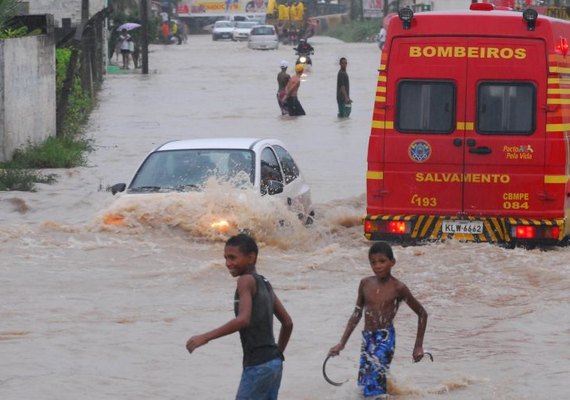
(458, 226)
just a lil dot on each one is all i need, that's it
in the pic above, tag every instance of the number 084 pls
(515, 205)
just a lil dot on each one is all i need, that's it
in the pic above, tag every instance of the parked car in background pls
(242, 30)
(263, 37)
(264, 165)
(222, 30)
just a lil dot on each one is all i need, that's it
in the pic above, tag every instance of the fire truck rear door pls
(505, 126)
(424, 150)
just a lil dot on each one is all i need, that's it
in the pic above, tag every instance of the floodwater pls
(95, 312)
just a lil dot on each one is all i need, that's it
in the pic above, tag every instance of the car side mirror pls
(272, 187)
(118, 187)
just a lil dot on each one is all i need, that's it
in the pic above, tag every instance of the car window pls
(290, 169)
(506, 108)
(245, 25)
(223, 24)
(425, 106)
(270, 170)
(263, 30)
(182, 169)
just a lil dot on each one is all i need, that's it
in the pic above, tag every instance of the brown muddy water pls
(89, 311)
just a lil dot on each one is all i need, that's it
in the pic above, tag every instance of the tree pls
(8, 9)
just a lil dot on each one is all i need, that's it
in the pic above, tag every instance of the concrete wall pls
(27, 92)
(65, 9)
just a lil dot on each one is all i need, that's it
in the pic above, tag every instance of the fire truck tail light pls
(370, 226)
(390, 227)
(552, 233)
(398, 227)
(524, 232)
(535, 232)
(562, 46)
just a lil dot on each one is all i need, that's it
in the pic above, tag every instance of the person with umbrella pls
(124, 40)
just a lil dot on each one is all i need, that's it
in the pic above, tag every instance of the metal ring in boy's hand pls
(426, 353)
(325, 373)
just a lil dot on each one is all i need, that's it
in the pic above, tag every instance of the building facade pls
(65, 9)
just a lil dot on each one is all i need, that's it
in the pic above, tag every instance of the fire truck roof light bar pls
(530, 15)
(406, 15)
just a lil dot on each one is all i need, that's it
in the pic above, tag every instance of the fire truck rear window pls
(425, 106)
(506, 108)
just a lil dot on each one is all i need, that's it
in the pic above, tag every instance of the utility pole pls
(144, 47)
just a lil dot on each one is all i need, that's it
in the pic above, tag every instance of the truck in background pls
(470, 136)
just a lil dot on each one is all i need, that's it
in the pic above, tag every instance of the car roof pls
(244, 143)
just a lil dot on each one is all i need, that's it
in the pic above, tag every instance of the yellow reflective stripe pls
(562, 81)
(381, 78)
(557, 127)
(558, 91)
(555, 178)
(375, 175)
(465, 126)
(383, 124)
(558, 70)
(382, 67)
(382, 89)
(557, 101)
(380, 98)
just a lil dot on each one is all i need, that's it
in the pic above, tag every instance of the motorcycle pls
(304, 58)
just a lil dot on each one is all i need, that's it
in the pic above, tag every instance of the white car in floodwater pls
(186, 165)
(242, 30)
(223, 30)
(263, 37)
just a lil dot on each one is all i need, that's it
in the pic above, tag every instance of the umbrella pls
(129, 26)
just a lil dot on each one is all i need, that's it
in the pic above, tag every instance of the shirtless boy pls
(379, 297)
(292, 101)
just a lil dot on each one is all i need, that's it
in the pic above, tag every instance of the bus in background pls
(471, 129)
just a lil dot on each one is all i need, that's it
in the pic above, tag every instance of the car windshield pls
(262, 30)
(245, 25)
(223, 24)
(190, 169)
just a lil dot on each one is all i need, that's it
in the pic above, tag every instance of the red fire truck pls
(470, 135)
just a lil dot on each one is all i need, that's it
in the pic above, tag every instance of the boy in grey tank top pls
(255, 304)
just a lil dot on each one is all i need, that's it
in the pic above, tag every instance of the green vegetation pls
(8, 9)
(356, 31)
(79, 104)
(22, 179)
(67, 150)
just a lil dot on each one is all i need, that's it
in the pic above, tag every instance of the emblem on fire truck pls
(419, 151)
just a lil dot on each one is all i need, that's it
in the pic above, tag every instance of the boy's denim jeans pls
(261, 382)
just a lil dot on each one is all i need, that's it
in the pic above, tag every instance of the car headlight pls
(113, 219)
(221, 225)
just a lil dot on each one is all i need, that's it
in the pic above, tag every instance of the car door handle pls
(480, 150)
(457, 142)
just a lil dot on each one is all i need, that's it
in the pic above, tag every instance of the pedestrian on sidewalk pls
(124, 40)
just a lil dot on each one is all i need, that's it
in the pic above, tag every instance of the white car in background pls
(222, 30)
(263, 37)
(242, 30)
(186, 165)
